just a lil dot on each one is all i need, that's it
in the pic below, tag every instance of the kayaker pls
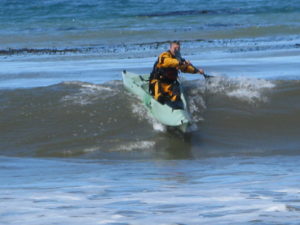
(163, 83)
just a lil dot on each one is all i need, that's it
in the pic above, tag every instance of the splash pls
(142, 113)
(250, 90)
(88, 93)
(139, 145)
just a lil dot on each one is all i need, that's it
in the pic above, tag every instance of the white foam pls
(290, 190)
(196, 104)
(106, 221)
(139, 110)
(92, 149)
(89, 93)
(136, 146)
(277, 208)
(58, 197)
(242, 88)
(143, 114)
(117, 216)
(159, 127)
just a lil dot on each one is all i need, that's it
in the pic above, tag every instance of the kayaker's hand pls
(187, 63)
(201, 71)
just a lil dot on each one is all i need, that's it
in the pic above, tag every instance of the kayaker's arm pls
(187, 67)
(167, 61)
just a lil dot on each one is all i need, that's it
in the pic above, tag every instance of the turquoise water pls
(76, 148)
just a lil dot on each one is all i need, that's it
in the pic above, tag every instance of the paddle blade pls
(206, 76)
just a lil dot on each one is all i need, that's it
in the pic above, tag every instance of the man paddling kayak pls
(163, 83)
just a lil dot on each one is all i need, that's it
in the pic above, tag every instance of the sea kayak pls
(163, 113)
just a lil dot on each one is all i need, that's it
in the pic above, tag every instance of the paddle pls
(206, 76)
(182, 60)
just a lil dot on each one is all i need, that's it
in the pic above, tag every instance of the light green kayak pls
(163, 113)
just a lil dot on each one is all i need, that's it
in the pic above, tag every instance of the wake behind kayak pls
(167, 114)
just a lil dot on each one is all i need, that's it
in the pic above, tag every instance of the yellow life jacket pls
(167, 66)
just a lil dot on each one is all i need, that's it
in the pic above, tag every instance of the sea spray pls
(245, 89)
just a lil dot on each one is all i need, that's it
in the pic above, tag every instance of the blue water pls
(61, 24)
(76, 148)
(211, 191)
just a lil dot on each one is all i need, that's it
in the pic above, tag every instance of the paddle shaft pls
(180, 59)
(206, 76)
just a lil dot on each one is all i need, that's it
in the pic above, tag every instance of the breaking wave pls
(77, 119)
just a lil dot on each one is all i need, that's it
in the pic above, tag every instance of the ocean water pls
(77, 148)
